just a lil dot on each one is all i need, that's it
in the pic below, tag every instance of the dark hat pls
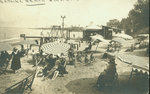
(14, 49)
(112, 61)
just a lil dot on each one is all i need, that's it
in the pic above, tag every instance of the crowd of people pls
(13, 59)
(80, 56)
(55, 65)
(49, 62)
(114, 46)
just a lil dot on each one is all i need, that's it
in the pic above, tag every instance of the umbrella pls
(5, 47)
(99, 37)
(27, 42)
(119, 40)
(55, 48)
(124, 36)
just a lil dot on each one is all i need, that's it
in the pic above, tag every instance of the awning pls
(143, 35)
(99, 37)
(124, 36)
(119, 40)
(136, 62)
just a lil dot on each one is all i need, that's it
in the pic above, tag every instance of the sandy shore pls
(81, 78)
(8, 79)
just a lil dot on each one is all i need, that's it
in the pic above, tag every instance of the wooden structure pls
(55, 33)
(108, 32)
(75, 33)
(105, 31)
(22, 86)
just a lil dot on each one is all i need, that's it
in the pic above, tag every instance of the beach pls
(81, 78)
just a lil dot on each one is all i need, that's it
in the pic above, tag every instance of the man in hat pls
(111, 69)
(108, 76)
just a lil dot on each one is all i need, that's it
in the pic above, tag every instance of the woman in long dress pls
(16, 63)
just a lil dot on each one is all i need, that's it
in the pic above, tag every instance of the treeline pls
(137, 21)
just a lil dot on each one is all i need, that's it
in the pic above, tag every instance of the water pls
(14, 33)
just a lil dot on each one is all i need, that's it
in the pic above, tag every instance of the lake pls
(7, 33)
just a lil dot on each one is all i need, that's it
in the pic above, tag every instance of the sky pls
(77, 12)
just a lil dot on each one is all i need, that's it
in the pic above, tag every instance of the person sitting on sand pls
(88, 48)
(72, 60)
(130, 49)
(54, 69)
(108, 76)
(71, 56)
(50, 64)
(78, 57)
(111, 69)
(62, 66)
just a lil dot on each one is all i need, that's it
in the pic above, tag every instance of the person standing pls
(16, 63)
(4, 58)
(91, 57)
(86, 60)
(4, 61)
(71, 56)
(78, 57)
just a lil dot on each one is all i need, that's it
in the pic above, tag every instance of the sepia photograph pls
(74, 46)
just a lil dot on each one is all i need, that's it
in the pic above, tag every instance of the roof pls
(93, 27)
(77, 29)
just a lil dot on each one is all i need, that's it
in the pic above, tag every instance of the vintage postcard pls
(74, 46)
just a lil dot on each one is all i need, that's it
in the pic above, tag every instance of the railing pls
(21, 86)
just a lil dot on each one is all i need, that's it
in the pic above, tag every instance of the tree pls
(126, 25)
(113, 23)
(140, 15)
(137, 20)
